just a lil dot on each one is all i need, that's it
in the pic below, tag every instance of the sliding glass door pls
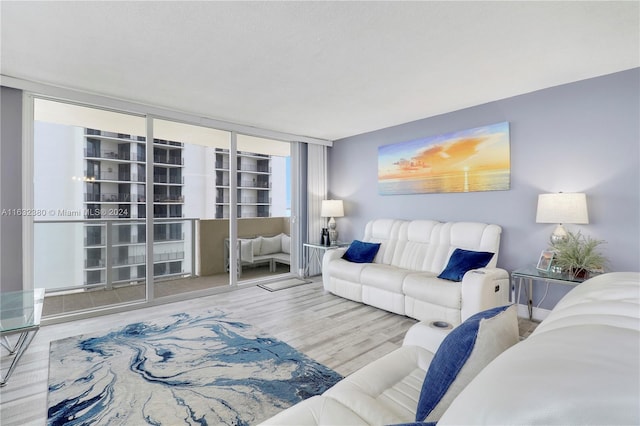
(263, 207)
(128, 208)
(187, 235)
(88, 221)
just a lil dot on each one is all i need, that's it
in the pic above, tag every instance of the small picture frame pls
(545, 261)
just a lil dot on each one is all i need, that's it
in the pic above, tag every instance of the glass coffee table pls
(20, 313)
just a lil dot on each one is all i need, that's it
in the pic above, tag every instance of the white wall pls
(579, 137)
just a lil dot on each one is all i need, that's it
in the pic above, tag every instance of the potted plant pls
(577, 255)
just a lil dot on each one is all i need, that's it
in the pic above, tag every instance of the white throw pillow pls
(257, 245)
(271, 245)
(246, 250)
(286, 243)
(462, 355)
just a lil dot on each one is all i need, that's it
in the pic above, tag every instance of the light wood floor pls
(338, 333)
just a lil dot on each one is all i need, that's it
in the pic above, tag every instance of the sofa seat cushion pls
(427, 287)
(345, 270)
(281, 257)
(317, 410)
(387, 390)
(385, 277)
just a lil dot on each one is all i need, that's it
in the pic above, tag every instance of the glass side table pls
(312, 253)
(530, 274)
(20, 313)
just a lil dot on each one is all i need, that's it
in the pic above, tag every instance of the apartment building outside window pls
(93, 175)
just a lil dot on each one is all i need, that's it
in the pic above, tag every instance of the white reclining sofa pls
(403, 277)
(581, 366)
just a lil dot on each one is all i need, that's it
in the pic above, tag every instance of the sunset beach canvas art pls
(465, 161)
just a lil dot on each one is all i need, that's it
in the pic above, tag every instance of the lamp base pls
(559, 234)
(333, 233)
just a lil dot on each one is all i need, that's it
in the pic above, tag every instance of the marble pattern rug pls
(181, 370)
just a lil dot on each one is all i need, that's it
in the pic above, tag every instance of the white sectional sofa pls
(580, 366)
(403, 276)
(261, 250)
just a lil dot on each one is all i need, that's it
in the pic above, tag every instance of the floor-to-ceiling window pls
(263, 204)
(88, 203)
(139, 208)
(187, 236)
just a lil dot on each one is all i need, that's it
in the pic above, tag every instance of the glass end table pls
(313, 253)
(20, 313)
(531, 274)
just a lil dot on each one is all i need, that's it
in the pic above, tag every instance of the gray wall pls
(10, 189)
(579, 137)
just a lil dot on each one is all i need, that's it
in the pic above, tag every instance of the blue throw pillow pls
(361, 252)
(462, 354)
(462, 261)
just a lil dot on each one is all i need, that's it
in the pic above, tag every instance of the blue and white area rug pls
(183, 370)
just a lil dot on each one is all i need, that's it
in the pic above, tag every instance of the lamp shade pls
(332, 208)
(562, 208)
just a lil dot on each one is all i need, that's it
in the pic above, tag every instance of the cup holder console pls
(441, 324)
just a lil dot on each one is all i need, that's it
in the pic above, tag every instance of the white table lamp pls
(562, 208)
(332, 209)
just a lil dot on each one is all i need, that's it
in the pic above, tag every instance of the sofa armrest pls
(426, 336)
(330, 255)
(483, 289)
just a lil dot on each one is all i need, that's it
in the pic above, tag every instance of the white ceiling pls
(321, 69)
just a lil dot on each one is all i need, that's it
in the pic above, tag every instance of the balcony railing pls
(254, 184)
(141, 259)
(114, 198)
(161, 159)
(158, 198)
(165, 142)
(112, 155)
(114, 176)
(65, 262)
(168, 179)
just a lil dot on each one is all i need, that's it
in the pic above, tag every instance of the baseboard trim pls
(539, 314)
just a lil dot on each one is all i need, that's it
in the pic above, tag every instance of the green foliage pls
(578, 253)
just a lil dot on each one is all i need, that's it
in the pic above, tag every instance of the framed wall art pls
(465, 161)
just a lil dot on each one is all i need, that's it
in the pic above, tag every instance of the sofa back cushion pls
(580, 365)
(385, 232)
(476, 236)
(427, 245)
(414, 249)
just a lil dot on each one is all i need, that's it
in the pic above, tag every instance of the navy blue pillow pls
(455, 351)
(462, 261)
(361, 252)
